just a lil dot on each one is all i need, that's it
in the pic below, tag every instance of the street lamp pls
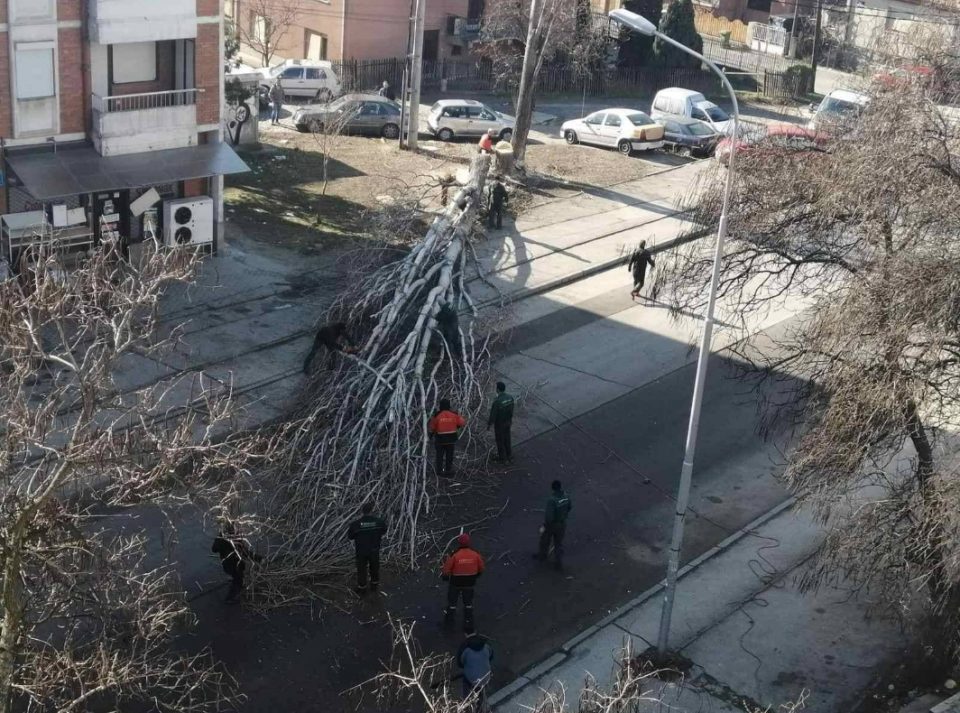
(645, 27)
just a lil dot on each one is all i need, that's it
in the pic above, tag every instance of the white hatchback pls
(450, 118)
(626, 130)
(308, 78)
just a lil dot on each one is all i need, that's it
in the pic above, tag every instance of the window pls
(315, 45)
(35, 75)
(261, 28)
(134, 62)
(456, 50)
(228, 8)
(594, 119)
(639, 118)
(673, 127)
(487, 115)
(699, 114)
(315, 73)
(759, 5)
(612, 120)
(292, 73)
(454, 112)
(370, 109)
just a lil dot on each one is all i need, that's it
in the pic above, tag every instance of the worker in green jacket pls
(501, 418)
(554, 524)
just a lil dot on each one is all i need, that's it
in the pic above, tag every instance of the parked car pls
(450, 118)
(677, 103)
(689, 137)
(771, 138)
(309, 78)
(627, 130)
(837, 111)
(360, 114)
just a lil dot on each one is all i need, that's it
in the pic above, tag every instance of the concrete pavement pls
(751, 636)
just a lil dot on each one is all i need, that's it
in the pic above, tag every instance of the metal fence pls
(146, 100)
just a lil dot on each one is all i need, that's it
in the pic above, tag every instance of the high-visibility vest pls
(446, 422)
(465, 562)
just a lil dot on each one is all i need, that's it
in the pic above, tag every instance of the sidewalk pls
(741, 621)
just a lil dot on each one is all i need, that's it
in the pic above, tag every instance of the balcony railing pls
(145, 101)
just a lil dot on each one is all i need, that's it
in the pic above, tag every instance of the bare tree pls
(863, 228)
(520, 37)
(328, 130)
(86, 620)
(268, 22)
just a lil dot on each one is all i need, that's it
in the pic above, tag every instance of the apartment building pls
(362, 29)
(110, 121)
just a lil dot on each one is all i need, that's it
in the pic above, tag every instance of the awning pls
(72, 171)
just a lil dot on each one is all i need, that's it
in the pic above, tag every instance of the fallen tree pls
(361, 432)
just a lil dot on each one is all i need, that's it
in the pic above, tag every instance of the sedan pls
(772, 139)
(627, 130)
(352, 114)
(689, 137)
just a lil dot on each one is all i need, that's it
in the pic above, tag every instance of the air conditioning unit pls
(188, 221)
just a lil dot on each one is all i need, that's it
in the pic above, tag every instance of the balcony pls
(115, 21)
(151, 121)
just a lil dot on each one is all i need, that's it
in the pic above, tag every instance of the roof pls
(451, 102)
(71, 171)
(679, 90)
(847, 95)
(308, 62)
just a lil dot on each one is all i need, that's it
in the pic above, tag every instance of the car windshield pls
(699, 129)
(839, 107)
(715, 113)
(639, 119)
(336, 104)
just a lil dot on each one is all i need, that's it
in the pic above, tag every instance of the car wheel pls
(571, 137)
(303, 128)
(390, 131)
(506, 134)
(685, 152)
(445, 135)
(324, 95)
(625, 147)
(315, 126)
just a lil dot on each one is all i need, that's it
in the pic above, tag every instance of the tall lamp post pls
(645, 27)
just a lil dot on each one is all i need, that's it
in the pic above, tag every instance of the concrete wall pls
(124, 132)
(114, 21)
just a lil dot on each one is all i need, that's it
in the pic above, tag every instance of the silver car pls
(352, 114)
(450, 118)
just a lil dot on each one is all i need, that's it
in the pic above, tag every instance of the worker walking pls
(638, 266)
(234, 554)
(461, 569)
(366, 534)
(498, 198)
(501, 418)
(554, 525)
(332, 336)
(445, 427)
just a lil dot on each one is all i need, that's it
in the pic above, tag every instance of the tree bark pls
(11, 627)
(528, 78)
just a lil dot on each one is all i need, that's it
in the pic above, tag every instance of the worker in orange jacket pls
(461, 569)
(445, 427)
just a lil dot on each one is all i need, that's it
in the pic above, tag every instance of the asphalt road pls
(620, 464)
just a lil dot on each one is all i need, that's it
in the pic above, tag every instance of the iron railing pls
(145, 101)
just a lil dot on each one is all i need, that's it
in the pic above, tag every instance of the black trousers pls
(236, 578)
(495, 216)
(553, 534)
(501, 432)
(368, 561)
(445, 450)
(455, 592)
(638, 279)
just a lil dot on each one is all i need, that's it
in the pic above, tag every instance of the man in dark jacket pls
(501, 418)
(386, 91)
(475, 656)
(554, 524)
(638, 266)
(448, 322)
(234, 555)
(366, 534)
(498, 198)
(332, 336)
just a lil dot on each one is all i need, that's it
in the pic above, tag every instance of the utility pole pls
(816, 44)
(793, 30)
(416, 74)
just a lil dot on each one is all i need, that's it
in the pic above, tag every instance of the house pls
(358, 29)
(107, 120)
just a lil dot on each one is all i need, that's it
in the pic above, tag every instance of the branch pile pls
(362, 435)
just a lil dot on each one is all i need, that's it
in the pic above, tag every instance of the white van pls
(838, 111)
(677, 103)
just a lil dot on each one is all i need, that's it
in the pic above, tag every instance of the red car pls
(771, 138)
(904, 76)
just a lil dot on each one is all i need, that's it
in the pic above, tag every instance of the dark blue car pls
(689, 137)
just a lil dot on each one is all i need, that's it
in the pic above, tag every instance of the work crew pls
(461, 569)
(234, 555)
(366, 534)
(332, 336)
(475, 656)
(445, 427)
(638, 266)
(498, 197)
(486, 141)
(386, 91)
(276, 101)
(501, 418)
(554, 524)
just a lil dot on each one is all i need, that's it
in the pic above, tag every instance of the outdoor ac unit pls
(188, 221)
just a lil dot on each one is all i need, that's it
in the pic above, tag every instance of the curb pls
(554, 659)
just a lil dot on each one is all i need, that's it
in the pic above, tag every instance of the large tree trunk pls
(528, 78)
(11, 627)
